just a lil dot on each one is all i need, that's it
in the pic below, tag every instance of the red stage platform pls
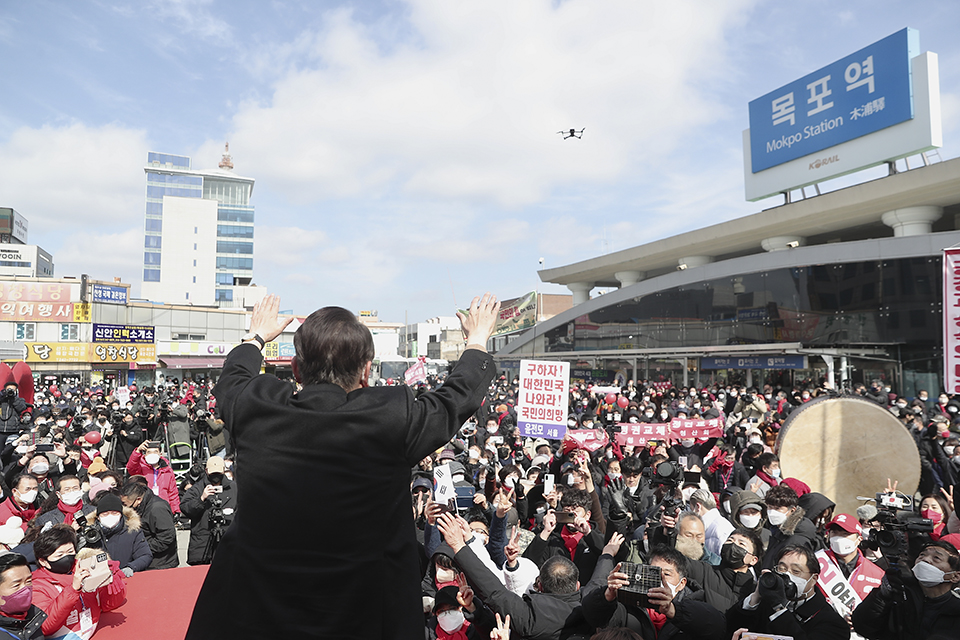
(158, 607)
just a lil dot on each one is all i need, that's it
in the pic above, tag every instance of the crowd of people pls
(91, 496)
(558, 536)
(544, 539)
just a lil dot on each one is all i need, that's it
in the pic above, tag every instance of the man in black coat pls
(211, 504)
(348, 567)
(157, 523)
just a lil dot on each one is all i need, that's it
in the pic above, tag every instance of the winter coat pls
(815, 619)
(8, 509)
(55, 516)
(54, 593)
(742, 498)
(795, 531)
(161, 480)
(202, 545)
(722, 586)
(126, 543)
(694, 618)
(158, 528)
(722, 478)
(26, 629)
(125, 445)
(216, 435)
(10, 411)
(585, 556)
(879, 614)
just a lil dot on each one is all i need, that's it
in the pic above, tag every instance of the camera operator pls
(120, 534)
(751, 405)
(146, 409)
(211, 505)
(128, 435)
(787, 602)
(12, 406)
(212, 426)
(922, 603)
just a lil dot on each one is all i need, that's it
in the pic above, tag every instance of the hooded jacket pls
(125, 543)
(880, 614)
(741, 498)
(814, 504)
(797, 530)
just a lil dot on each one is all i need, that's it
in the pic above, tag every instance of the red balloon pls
(610, 398)
(93, 437)
(622, 402)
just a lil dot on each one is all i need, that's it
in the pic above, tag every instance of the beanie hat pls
(109, 502)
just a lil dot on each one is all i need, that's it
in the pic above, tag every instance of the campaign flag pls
(951, 320)
(589, 439)
(681, 428)
(417, 373)
(543, 402)
(443, 491)
(637, 434)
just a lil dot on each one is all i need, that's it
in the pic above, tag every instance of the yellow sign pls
(81, 312)
(98, 353)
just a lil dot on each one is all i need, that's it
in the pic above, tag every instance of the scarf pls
(770, 480)
(459, 634)
(570, 541)
(68, 511)
(658, 619)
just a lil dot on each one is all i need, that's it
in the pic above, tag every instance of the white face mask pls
(842, 545)
(28, 497)
(775, 473)
(22, 449)
(446, 575)
(687, 442)
(152, 458)
(450, 620)
(950, 449)
(571, 423)
(800, 583)
(927, 574)
(687, 492)
(726, 506)
(40, 468)
(674, 588)
(71, 498)
(750, 522)
(614, 475)
(510, 481)
(110, 521)
(755, 440)
(776, 518)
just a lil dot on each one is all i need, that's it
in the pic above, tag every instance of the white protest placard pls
(122, 394)
(443, 491)
(543, 402)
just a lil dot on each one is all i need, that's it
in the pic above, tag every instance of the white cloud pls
(102, 256)
(74, 177)
(467, 107)
(193, 18)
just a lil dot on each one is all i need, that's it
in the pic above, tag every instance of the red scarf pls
(459, 634)
(658, 619)
(770, 480)
(570, 541)
(68, 511)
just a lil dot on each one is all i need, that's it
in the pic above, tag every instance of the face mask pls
(71, 498)
(61, 423)
(902, 405)
(842, 545)
(609, 454)
(110, 521)
(28, 497)
(446, 575)
(927, 574)
(950, 449)
(63, 565)
(775, 473)
(674, 588)
(152, 458)
(800, 583)
(646, 414)
(19, 601)
(571, 480)
(474, 454)
(664, 415)
(40, 468)
(483, 462)
(22, 449)
(511, 482)
(613, 475)
(806, 395)
(450, 620)
(755, 440)
(571, 423)
(776, 518)
(726, 506)
(732, 555)
(687, 442)
(750, 522)
(493, 428)
(930, 514)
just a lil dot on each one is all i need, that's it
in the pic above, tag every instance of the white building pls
(198, 234)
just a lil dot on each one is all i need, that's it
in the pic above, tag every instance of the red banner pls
(637, 434)
(417, 373)
(589, 439)
(951, 320)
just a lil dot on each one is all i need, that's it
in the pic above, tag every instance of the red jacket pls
(161, 480)
(53, 592)
(9, 509)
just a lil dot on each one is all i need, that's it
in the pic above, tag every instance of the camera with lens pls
(88, 537)
(903, 532)
(9, 394)
(667, 473)
(217, 520)
(748, 398)
(770, 581)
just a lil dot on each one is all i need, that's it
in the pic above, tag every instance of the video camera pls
(666, 473)
(903, 530)
(88, 537)
(770, 581)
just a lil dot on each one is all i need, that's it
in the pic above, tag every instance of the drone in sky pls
(572, 133)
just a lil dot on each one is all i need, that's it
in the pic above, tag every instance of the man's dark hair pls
(952, 552)
(670, 556)
(52, 539)
(631, 466)
(332, 347)
(16, 481)
(9, 561)
(756, 542)
(573, 498)
(559, 576)
(766, 459)
(809, 559)
(781, 496)
(61, 480)
(133, 489)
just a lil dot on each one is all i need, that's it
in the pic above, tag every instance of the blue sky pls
(405, 152)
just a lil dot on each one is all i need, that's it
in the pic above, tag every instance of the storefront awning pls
(191, 362)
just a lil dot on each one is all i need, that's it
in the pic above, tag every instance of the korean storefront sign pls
(109, 294)
(123, 333)
(951, 320)
(98, 353)
(542, 405)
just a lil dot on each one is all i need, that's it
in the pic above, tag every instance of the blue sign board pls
(755, 362)
(109, 294)
(123, 333)
(855, 96)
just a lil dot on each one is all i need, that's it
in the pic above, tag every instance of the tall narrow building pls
(198, 234)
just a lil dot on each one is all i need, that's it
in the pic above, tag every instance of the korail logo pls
(822, 162)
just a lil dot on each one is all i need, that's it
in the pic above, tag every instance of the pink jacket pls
(161, 480)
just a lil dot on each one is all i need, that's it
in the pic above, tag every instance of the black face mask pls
(63, 565)
(732, 555)
(215, 478)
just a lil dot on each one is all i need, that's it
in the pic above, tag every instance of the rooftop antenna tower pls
(226, 162)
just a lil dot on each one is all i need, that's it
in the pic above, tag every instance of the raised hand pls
(478, 326)
(265, 321)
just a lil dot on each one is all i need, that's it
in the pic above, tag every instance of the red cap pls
(848, 523)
